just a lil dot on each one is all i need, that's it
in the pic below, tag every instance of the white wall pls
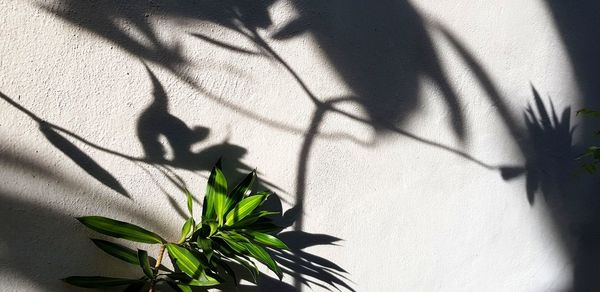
(418, 199)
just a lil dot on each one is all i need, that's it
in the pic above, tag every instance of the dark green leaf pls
(227, 269)
(142, 256)
(120, 229)
(245, 208)
(99, 282)
(117, 250)
(204, 244)
(241, 259)
(267, 239)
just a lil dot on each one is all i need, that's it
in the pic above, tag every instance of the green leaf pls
(245, 208)
(185, 260)
(203, 280)
(214, 227)
(190, 203)
(242, 190)
(186, 229)
(221, 198)
(250, 219)
(117, 250)
(216, 195)
(121, 252)
(142, 256)
(120, 229)
(98, 282)
(233, 244)
(267, 239)
(263, 256)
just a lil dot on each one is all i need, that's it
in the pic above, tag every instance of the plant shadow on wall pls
(382, 50)
(155, 121)
(577, 24)
(571, 196)
(551, 169)
(545, 141)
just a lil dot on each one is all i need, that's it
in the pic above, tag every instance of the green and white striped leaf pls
(250, 219)
(267, 239)
(245, 208)
(120, 229)
(203, 281)
(185, 260)
(242, 190)
(186, 229)
(190, 203)
(216, 195)
(234, 244)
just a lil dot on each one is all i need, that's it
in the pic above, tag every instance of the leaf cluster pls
(232, 232)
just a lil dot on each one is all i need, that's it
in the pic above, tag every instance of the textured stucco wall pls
(386, 120)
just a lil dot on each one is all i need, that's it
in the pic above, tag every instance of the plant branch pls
(161, 252)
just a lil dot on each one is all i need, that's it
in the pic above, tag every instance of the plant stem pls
(160, 257)
(158, 262)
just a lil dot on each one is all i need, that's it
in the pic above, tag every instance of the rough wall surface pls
(395, 126)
